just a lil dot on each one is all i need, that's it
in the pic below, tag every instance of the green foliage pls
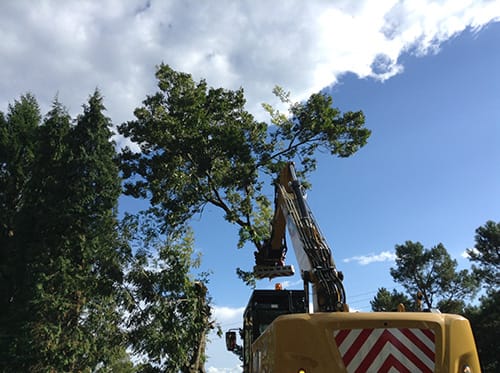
(65, 263)
(200, 146)
(485, 322)
(485, 318)
(17, 152)
(434, 273)
(486, 253)
(384, 300)
(67, 302)
(169, 311)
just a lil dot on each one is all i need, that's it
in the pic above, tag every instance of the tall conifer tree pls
(17, 142)
(66, 241)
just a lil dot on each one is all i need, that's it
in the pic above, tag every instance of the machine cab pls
(264, 306)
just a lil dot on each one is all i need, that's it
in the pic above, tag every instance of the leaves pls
(485, 322)
(433, 273)
(486, 253)
(65, 259)
(200, 146)
(169, 315)
(68, 269)
(386, 301)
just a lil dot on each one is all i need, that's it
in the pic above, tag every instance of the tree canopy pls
(82, 291)
(386, 301)
(199, 146)
(433, 274)
(78, 292)
(485, 317)
(486, 254)
(167, 306)
(62, 265)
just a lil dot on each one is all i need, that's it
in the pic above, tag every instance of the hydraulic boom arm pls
(311, 249)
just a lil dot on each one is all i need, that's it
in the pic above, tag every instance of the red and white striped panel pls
(386, 350)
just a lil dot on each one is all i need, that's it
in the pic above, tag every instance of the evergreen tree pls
(66, 308)
(384, 300)
(40, 239)
(485, 322)
(485, 318)
(433, 274)
(17, 151)
(93, 190)
(486, 253)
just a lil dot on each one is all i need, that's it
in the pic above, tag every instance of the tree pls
(17, 143)
(486, 253)
(485, 323)
(485, 318)
(384, 300)
(93, 189)
(67, 263)
(433, 273)
(38, 247)
(168, 309)
(199, 146)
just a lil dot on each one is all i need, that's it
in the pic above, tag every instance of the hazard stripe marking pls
(386, 350)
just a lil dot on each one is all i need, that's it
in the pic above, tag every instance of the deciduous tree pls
(168, 309)
(199, 146)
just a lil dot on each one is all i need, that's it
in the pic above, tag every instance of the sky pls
(425, 73)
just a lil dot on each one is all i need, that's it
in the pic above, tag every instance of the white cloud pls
(219, 359)
(236, 369)
(228, 315)
(384, 256)
(285, 284)
(71, 47)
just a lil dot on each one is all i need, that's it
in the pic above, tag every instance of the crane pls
(280, 334)
(313, 254)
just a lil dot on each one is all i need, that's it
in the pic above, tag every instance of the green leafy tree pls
(168, 306)
(486, 254)
(199, 146)
(433, 273)
(485, 322)
(485, 318)
(385, 300)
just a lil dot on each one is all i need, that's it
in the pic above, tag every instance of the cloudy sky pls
(70, 47)
(425, 73)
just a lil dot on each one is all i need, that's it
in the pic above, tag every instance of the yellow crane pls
(280, 334)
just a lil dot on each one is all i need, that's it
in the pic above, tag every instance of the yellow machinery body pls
(280, 336)
(365, 342)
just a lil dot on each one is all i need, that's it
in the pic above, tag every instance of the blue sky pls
(430, 172)
(425, 73)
